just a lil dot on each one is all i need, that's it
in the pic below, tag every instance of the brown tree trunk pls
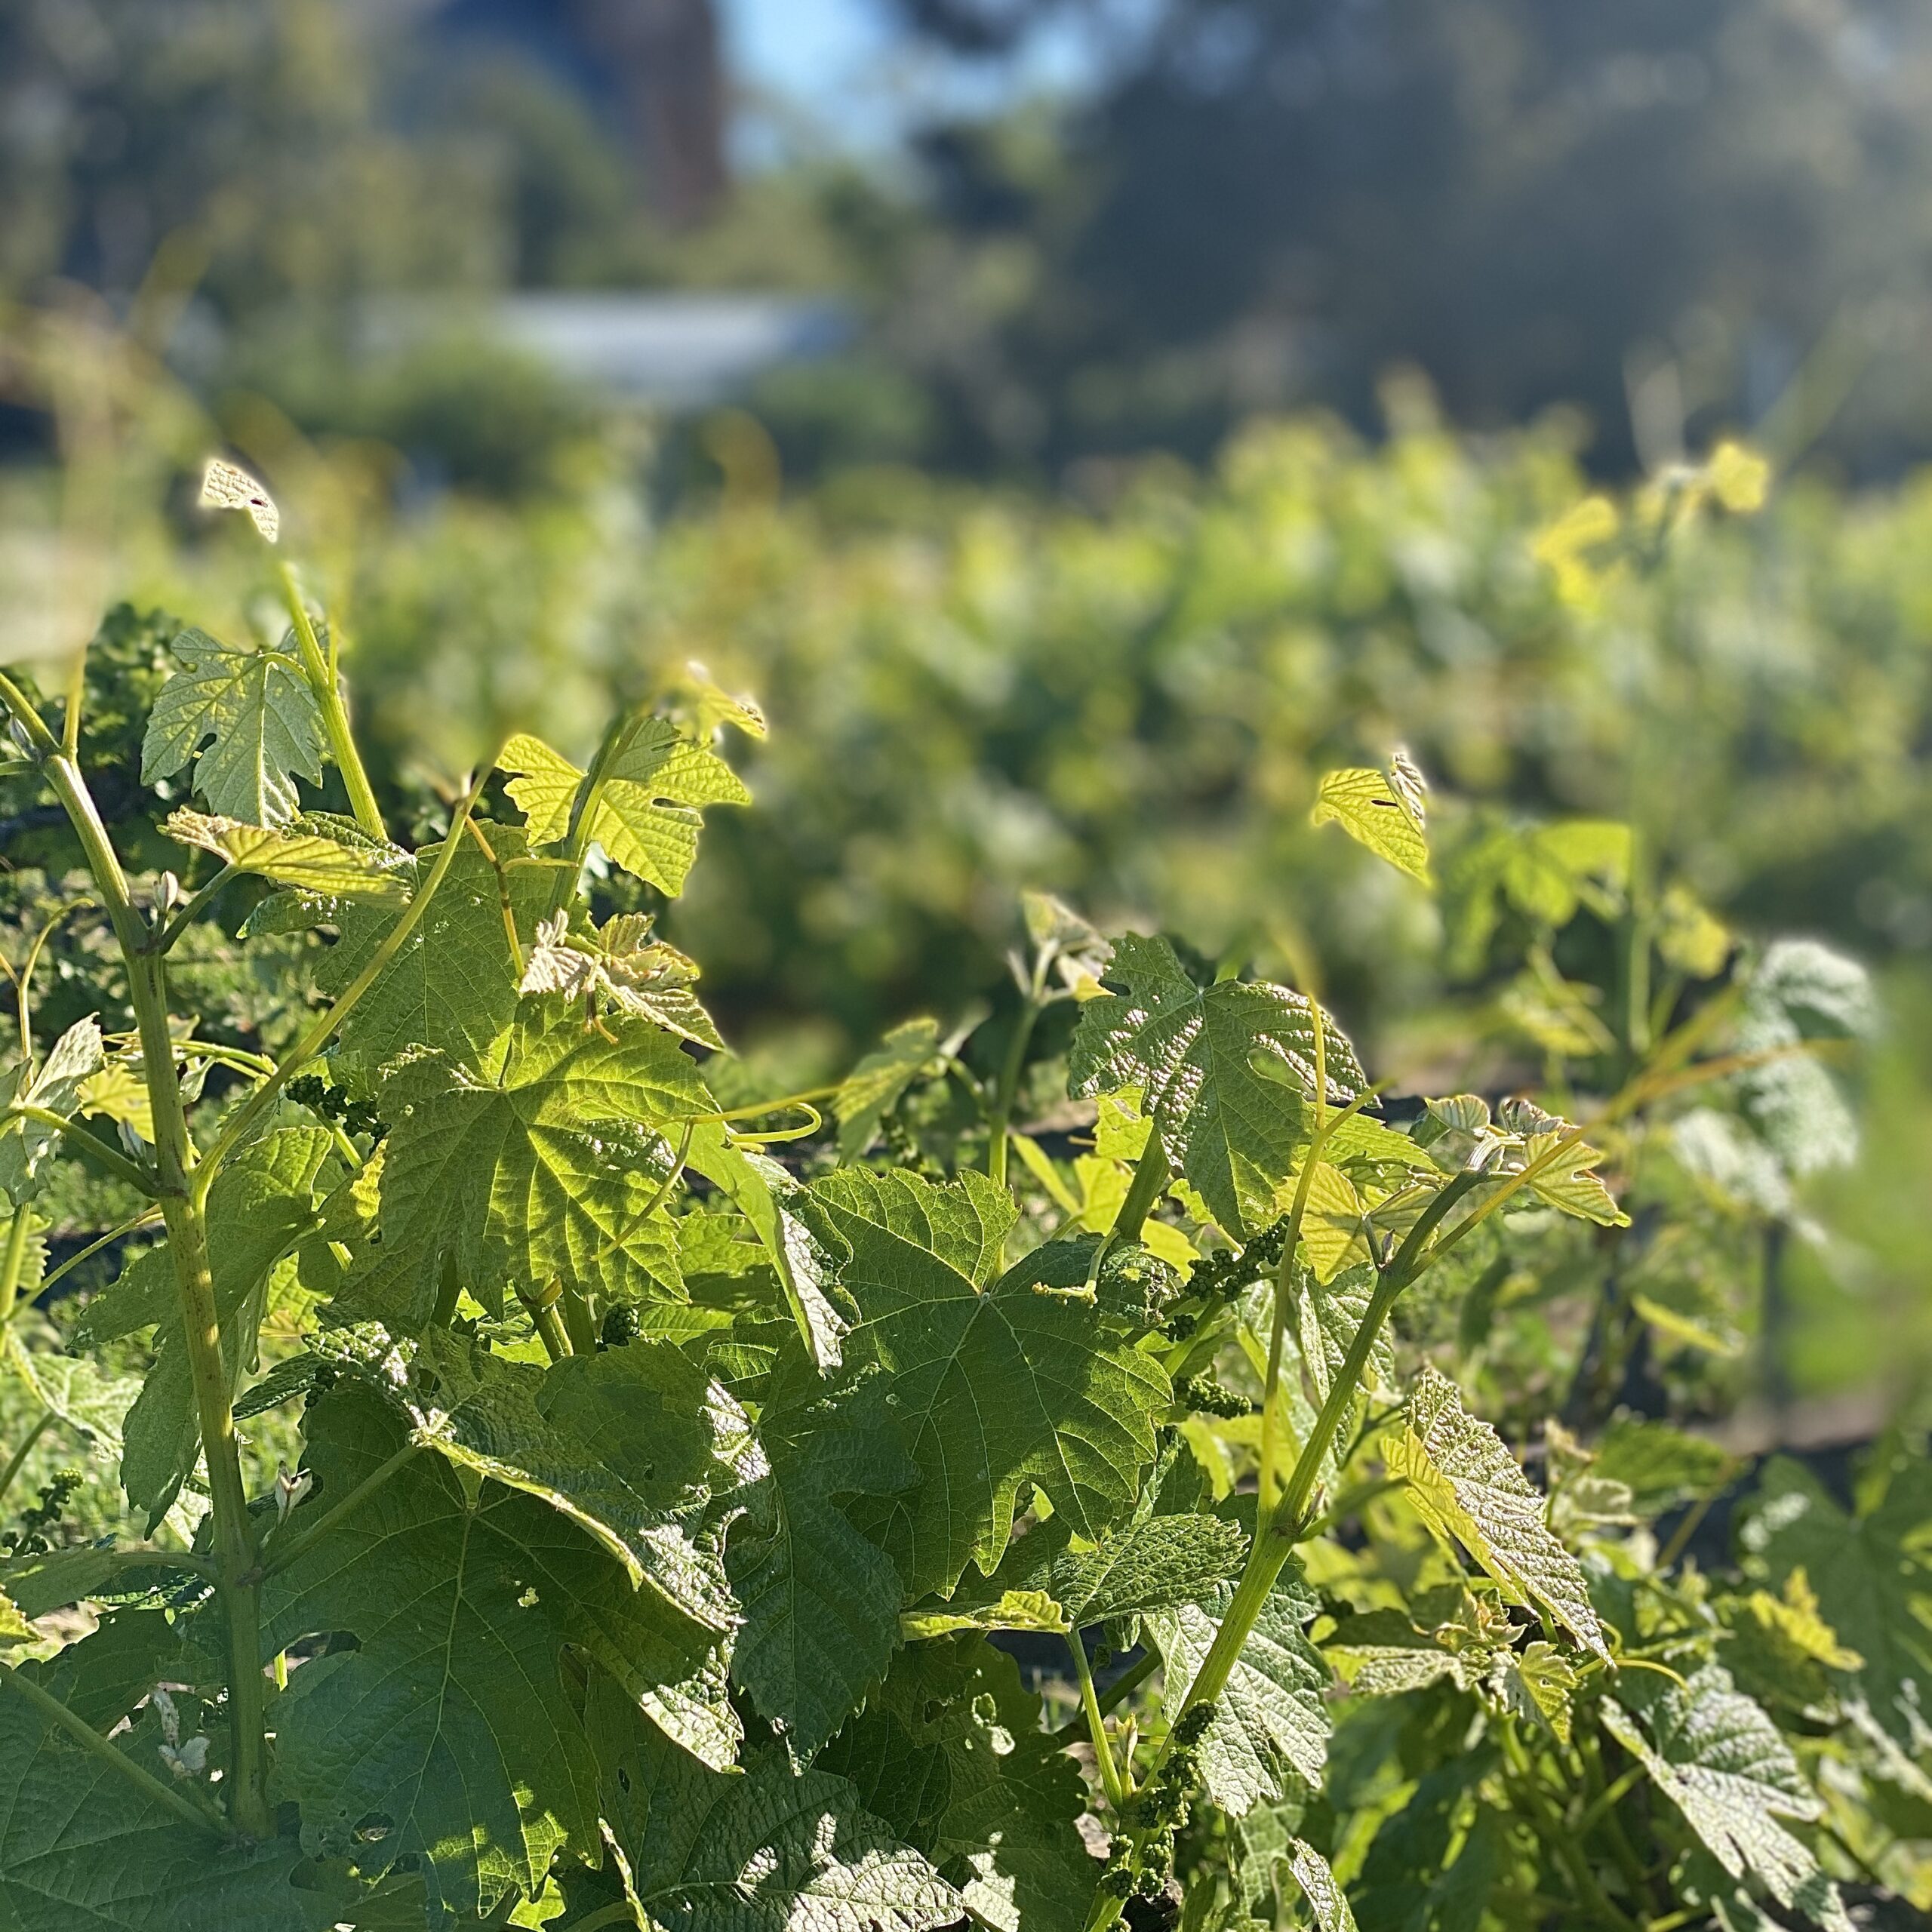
(664, 57)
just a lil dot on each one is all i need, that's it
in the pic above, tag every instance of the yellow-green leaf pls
(1380, 810)
(308, 860)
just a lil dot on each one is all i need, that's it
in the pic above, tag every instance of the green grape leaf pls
(84, 1849)
(1326, 1899)
(453, 984)
(1467, 1485)
(630, 1444)
(74, 1391)
(820, 1601)
(622, 966)
(1870, 1571)
(553, 1171)
(1662, 1467)
(1409, 1882)
(1153, 1563)
(950, 1753)
(1271, 1723)
(996, 1383)
(55, 1085)
(771, 1850)
(265, 723)
(646, 817)
(1720, 1760)
(1384, 810)
(873, 1087)
(1197, 1053)
(261, 1203)
(452, 1721)
(308, 860)
(1534, 1685)
(1323, 1318)
(805, 1259)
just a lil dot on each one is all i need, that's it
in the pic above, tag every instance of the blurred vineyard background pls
(1148, 408)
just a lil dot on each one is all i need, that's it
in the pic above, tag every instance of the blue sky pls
(840, 62)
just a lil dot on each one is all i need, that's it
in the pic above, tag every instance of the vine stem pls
(13, 1261)
(1278, 1532)
(17, 1461)
(112, 1158)
(322, 681)
(1001, 1113)
(182, 1192)
(1096, 1723)
(91, 1740)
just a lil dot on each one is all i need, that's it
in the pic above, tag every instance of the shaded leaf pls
(1720, 1760)
(452, 1721)
(995, 1382)
(262, 1203)
(770, 1851)
(873, 1087)
(820, 1601)
(951, 1754)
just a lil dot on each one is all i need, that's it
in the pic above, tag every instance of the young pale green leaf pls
(951, 1755)
(54, 1085)
(1384, 810)
(14, 1628)
(1197, 1053)
(452, 1719)
(1534, 1685)
(646, 817)
(262, 1204)
(1720, 1760)
(1323, 1318)
(1271, 1723)
(622, 967)
(631, 1444)
(453, 984)
(265, 723)
(84, 1849)
(771, 1850)
(1326, 1899)
(305, 859)
(1567, 1184)
(820, 1601)
(1467, 1485)
(549, 1172)
(996, 1383)
(873, 1089)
